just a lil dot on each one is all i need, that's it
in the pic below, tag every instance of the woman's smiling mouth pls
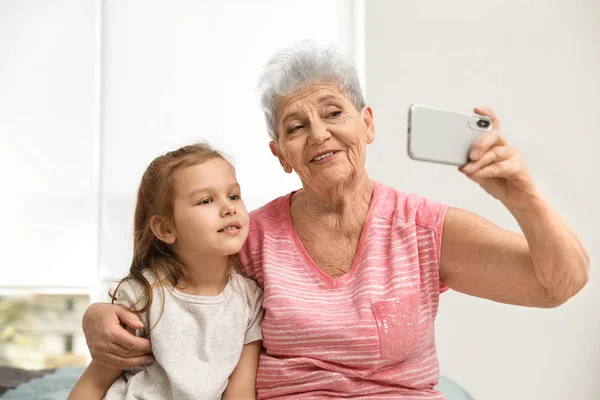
(322, 157)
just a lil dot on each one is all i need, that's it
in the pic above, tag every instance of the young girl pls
(202, 317)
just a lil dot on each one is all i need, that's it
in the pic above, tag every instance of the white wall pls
(537, 64)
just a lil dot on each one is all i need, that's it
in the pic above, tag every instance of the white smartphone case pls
(443, 136)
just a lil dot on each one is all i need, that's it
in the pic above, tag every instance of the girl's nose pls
(228, 210)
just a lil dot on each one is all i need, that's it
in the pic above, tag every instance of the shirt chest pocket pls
(398, 325)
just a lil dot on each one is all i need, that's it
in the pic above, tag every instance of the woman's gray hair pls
(295, 67)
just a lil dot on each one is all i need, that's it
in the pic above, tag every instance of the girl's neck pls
(204, 276)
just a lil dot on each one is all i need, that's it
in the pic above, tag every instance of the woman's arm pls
(544, 267)
(242, 382)
(109, 342)
(94, 383)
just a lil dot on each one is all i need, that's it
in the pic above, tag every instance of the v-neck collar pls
(309, 262)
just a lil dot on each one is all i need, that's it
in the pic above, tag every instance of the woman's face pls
(322, 136)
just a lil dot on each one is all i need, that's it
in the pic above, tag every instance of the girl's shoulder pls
(131, 283)
(246, 287)
(132, 290)
(247, 284)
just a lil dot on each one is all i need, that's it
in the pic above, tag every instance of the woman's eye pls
(234, 197)
(335, 114)
(295, 129)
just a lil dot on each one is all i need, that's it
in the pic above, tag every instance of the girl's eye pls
(205, 201)
(234, 197)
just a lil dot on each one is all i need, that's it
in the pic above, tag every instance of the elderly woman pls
(352, 270)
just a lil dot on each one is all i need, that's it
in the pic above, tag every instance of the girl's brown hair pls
(155, 197)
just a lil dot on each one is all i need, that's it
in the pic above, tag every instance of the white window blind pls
(91, 92)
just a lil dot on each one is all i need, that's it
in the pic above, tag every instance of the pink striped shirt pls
(368, 334)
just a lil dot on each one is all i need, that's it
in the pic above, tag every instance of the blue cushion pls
(54, 386)
(452, 390)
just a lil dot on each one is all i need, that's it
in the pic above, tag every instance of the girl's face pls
(209, 217)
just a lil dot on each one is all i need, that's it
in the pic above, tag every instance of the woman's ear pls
(367, 114)
(276, 151)
(162, 229)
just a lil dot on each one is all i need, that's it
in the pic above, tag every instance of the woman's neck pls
(204, 276)
(338, 205)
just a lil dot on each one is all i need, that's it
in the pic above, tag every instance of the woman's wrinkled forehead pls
(310, 96)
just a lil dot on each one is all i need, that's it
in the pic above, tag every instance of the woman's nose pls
(319, 132)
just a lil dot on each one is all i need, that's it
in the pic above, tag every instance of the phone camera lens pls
(482, 123)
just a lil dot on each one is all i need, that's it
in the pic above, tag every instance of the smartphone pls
(443, 136)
